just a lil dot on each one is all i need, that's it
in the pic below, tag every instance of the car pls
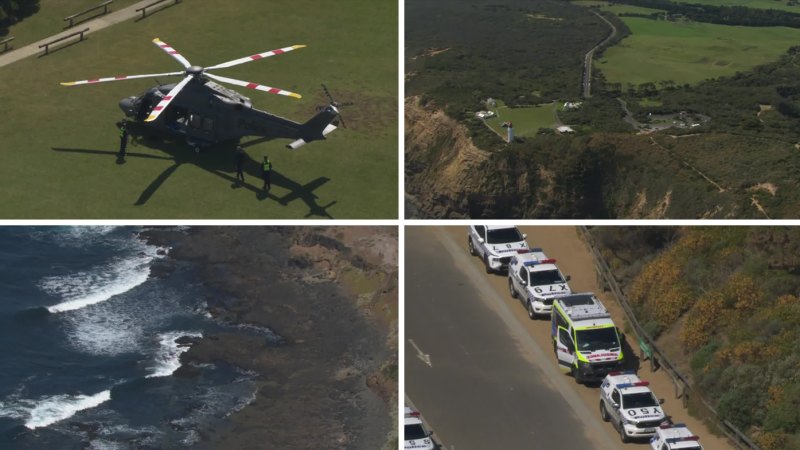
(675, 437)
(585, 340)
(535, 280)
(415, 435)
(627, 402)
(495, 245)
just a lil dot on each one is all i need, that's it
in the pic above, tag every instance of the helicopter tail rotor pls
(336, 104)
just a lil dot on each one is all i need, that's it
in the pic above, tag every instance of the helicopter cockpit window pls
(208, 124)
(194, 121)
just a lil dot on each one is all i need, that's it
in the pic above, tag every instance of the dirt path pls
(587, 60)
(93, 25)
(685, 163)
(564, 244)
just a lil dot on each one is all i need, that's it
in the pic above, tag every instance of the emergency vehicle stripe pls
(255, 57)
(256, 86)
(171, 51)
(120, 77)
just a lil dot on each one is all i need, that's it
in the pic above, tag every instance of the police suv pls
(585, 340)
(628, 403)
(495, 244)
(675, 437)
(535, 280)
(415, 435)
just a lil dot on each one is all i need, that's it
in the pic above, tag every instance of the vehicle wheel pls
(531, 314)
(604, 412)
(471, 247)
(576, 375)
(622, 435)
(486, 263)
(511, 288)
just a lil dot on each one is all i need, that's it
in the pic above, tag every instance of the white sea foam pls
(168, 357)
(49, 410)
(99, 284)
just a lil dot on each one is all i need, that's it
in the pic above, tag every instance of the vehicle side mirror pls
(480, 240)
(524, 283)
(524, 235)
(614, 405)
(661, 401)
(568, 278)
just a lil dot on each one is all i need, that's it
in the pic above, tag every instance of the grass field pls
(49, 19)
(616, 9)
(58, 143)
(527, 121)
(758, 4)
(688, 52)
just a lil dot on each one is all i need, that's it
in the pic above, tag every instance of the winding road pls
(587, 59)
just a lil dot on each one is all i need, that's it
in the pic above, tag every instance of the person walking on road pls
(266, 170)
(240, 157)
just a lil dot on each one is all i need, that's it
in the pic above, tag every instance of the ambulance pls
(586, 342)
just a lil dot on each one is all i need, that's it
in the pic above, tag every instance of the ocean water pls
(88, 345)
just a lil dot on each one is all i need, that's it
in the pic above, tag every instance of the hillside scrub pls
(731, 294)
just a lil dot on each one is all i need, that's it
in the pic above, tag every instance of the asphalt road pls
(473, 370)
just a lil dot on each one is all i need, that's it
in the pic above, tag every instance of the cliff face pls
(601, 176)
(442, 163)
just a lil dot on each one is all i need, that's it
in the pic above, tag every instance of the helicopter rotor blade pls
(172, 52)
(259, 87)
(258, 56)
(336, 104)
(119, 78)
(159, 108)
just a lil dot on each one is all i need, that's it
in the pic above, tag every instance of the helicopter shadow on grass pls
(220, 161)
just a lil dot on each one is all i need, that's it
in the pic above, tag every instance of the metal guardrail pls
(103, 5)
(683, 388)
(155, 3)
(48, 44)
(5, 43)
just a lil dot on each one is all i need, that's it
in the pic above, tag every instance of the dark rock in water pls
(162, 269)
(91, 429)
(161, 251)
(187, 371)
(185, 341)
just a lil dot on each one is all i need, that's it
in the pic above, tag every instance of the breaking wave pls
(168, 357)
(49, 410)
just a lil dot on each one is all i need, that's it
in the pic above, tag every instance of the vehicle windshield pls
(415, 431)
(503, 236)
(597, 339)
(546, 277)
(639, 400)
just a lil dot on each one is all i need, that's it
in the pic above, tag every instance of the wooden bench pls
(103, 5)
(5, 43)
(48, 44)
(157, 2)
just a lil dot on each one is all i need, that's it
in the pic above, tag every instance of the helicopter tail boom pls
(316, 128)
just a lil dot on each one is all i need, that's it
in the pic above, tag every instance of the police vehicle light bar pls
(682, 439)
(627, 372)
(638, 383)
(676, 425)
(537, 249)
(537, 262)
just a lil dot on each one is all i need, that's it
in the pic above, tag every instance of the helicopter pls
(206, 113)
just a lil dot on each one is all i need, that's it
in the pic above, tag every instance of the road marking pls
(424, 357)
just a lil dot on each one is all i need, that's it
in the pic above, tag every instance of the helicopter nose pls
(126, 105)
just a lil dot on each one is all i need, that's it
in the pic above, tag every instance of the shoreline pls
(330, 381)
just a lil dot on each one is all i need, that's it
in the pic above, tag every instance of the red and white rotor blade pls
(172, 52)
(247, 84)
(236, 62)
(120, 78)
(159, 108)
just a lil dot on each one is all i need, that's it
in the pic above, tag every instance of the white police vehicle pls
(415, 435)
(495, 244)
(535, 280)
(675, 437)
(628, 403)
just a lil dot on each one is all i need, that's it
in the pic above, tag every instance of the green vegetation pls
(58, 143)
(689, 52)
(617, 8)
(731, 294)
(527, 120)
(49, 20)
(12, 11)
(785, 5)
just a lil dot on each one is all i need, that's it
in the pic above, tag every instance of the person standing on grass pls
(266, 167)
(240, 156)
(123, 138)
